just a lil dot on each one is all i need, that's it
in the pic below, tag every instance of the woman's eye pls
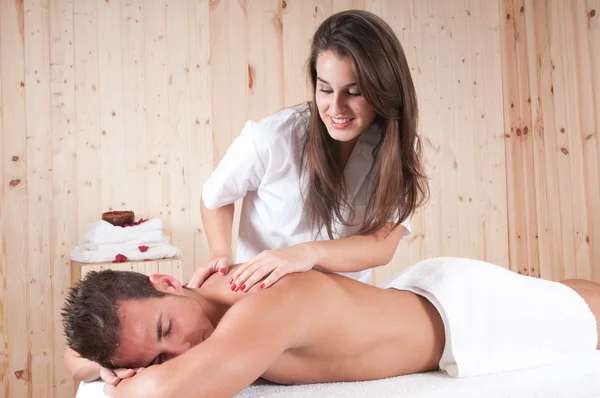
(326, 91)
(169, 329)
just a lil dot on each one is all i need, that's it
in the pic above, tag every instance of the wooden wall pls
(129, 104)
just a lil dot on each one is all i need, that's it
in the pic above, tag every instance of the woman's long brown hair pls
(397, 177)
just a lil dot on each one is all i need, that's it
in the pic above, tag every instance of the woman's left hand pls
(273, 263)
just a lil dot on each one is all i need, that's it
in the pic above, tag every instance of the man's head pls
(127, 319)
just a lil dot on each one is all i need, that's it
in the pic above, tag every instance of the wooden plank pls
(547, 189)
(87, 120)
(168, 266)
(592, 137)
(584, 157)
(519, 156)
(468, 86)
(40, 327)
(558, 93)
(110, 78)
(200, 128)
(63, 227)
(490, 186)
(219, 79)
(343, 5)
(3, 266)
(134, 104)
(298, 22)
(450, 164)
(157, 133)
(178, 69)
(15, 374)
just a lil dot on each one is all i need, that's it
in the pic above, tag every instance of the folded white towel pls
(497, 320)
(150, 239)
(158, 251)
(103, 232)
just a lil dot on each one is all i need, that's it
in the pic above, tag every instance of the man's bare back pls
(350, 330)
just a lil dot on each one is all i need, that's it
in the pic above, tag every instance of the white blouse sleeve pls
(405, 224)
(241, 170)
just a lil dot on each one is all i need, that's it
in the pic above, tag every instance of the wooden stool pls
(168, 266)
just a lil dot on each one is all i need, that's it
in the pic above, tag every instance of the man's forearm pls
(80, 368)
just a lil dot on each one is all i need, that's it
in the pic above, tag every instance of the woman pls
(329, 184)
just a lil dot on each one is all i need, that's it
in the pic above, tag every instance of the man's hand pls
(217, 264)
(114, 376)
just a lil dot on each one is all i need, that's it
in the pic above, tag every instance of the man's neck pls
(213, 308)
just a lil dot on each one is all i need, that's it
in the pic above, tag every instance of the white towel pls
(147, 240)
(576, 378)
(497, 320)
(157, 251)
(103, 232)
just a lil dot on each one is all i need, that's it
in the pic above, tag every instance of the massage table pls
(577, 377)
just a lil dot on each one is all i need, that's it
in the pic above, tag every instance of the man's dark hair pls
(90, 317)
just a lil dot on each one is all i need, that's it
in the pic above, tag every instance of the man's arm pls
(80, 368)
(249, 339)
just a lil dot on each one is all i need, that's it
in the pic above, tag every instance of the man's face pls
(155, 330)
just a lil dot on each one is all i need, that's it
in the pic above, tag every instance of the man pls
(307, 328)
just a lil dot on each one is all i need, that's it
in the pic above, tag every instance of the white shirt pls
(262, 166)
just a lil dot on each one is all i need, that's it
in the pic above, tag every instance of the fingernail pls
(243, 287)
(262, 286)
(231, 281)
(233, 287)
(222, 271)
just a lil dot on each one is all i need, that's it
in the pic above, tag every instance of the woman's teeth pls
(340, 121)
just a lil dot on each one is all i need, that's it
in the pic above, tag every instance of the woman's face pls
(343, 109)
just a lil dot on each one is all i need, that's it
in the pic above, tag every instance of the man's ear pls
(165, 283)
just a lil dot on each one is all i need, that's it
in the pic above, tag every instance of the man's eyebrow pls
(326, 82)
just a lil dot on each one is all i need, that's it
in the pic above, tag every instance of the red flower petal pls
(143, 248)
(120, 258)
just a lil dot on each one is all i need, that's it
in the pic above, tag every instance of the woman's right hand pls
(218, 264)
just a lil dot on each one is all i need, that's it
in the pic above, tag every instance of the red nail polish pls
(231, 281)
(262, 286)
(222, 270)
(243, 287)
(233, 287)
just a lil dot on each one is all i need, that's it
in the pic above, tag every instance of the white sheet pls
(575, 378)
(496, 320)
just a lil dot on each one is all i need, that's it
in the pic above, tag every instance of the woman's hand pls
(218, 264)
(272, 264)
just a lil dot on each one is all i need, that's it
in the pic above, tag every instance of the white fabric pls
(154, 252)
(129, 245)
(262, 165)
(575, 378)
(102, 242)
(103, 232)
(497, 320)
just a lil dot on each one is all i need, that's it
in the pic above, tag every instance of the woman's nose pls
(337, 106)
